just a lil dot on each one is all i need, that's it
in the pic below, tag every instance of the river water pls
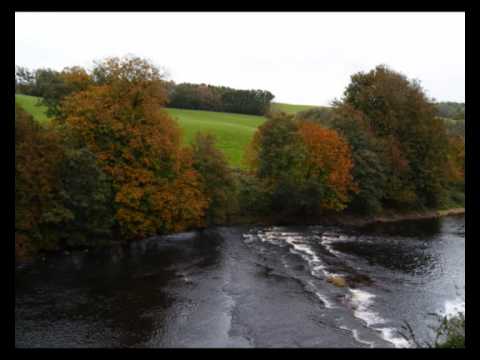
(248, 287)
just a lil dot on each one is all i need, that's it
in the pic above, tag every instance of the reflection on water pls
(104, 298)
(423, 228)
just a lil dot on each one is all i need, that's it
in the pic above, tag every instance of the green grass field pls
(31, 105)
(233, 131)
(290, 108)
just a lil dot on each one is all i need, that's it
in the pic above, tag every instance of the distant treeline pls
(218, 98)
(46, 82)
(451, 110)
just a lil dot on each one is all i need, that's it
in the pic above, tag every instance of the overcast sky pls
(302, 58)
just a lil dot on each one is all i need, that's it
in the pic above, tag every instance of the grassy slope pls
(30, 104)
(233, 131)
(290, 108)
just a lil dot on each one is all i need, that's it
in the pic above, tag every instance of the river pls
(248, 287)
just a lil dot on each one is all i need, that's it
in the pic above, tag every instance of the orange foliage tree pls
(328, 160)
(120, 119)
(303, 167)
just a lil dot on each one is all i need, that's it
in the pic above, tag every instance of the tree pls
(451, 110)
(219, 98)
(137, 144)
(276, 157)
(86, 192)
(24, 81)
(403, 118)
(304, 168)
(217, 177)
(319, 115)
(369, 167)
(54, 86)
(39, 210)
(456, 159)
(328, 167)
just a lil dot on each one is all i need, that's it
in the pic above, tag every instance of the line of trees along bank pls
(111, 166)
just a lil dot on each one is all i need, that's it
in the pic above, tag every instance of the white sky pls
(302, 58)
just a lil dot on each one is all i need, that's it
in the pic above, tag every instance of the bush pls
(451, 332)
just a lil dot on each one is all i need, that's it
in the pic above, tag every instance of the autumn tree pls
(328, 166)
(137, 144)
(54, 86)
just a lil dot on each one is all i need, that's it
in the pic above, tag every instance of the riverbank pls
(393, 216)
(341, 219)
(349, 219)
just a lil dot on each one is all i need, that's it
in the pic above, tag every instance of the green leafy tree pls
(25, 81)
(87, 193)
(368, 164)
(304, 167)
(399, 113)
(39, 209)
(218, 180)
(277, 157)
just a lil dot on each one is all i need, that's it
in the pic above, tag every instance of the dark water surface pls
(248, 287)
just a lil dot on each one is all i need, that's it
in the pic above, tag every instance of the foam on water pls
(327, 240)
(298, 247)
(314, 262)
(357, 338)
(362, 302)
(302, 248)
(248, 238)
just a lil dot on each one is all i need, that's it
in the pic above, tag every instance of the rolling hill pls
(233, 131)
(31, 105)
(290, 108)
